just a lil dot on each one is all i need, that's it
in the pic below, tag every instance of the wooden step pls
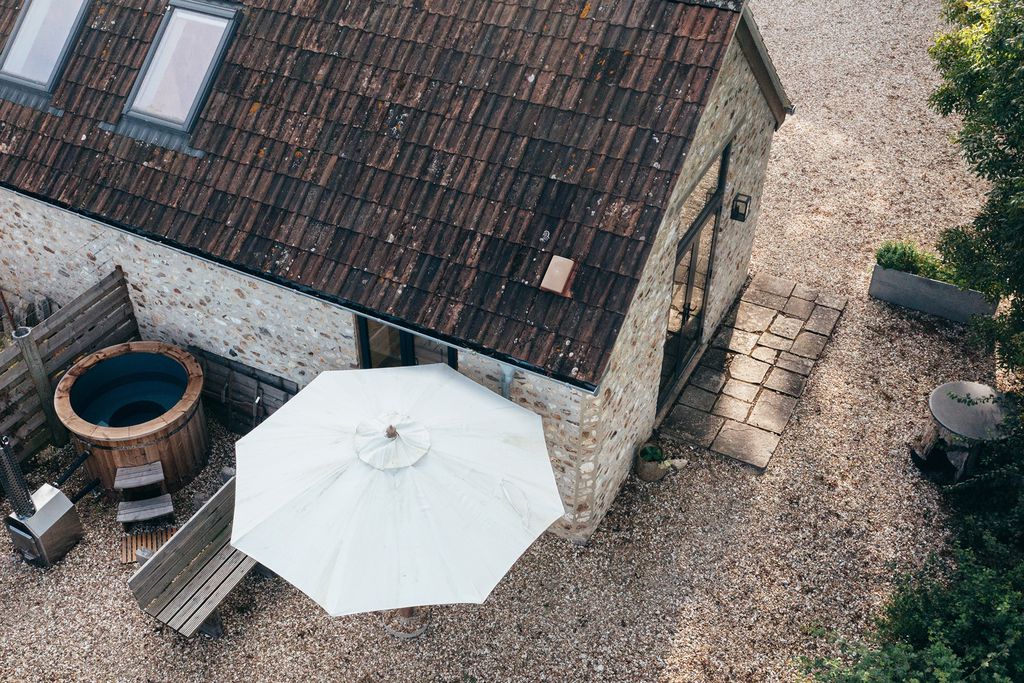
(144, 510)
(137, 477)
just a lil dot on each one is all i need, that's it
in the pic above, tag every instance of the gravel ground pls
(715, 573)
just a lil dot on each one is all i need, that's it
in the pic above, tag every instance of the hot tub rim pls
(179, 413)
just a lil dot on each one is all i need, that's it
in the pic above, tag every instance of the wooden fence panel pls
(101, 317)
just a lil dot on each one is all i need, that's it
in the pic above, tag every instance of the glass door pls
(686, 315)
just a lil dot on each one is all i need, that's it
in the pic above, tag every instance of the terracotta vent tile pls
(558, 276)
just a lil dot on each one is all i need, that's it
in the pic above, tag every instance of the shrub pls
(907, 257)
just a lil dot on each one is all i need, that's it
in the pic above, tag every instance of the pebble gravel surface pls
(714, 574)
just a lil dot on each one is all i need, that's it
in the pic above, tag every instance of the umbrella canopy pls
(399, 487)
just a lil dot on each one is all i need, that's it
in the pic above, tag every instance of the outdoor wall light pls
(740, 207)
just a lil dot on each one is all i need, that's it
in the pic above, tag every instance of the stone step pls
(137, 477)
(144, 510)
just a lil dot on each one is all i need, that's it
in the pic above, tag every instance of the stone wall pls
(178, 298)
(622, 414)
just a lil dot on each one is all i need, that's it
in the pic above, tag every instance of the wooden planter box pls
(928, 296)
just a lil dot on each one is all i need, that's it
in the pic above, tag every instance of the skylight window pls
(179, 70)
(39, 46)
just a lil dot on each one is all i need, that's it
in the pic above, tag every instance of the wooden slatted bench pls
(191, 574)
(129, 511)
(139, 477)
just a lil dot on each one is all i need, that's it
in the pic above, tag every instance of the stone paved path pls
(739, 399)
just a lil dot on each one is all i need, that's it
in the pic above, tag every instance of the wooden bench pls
(191, 574)
(139, 477)
(129, 511)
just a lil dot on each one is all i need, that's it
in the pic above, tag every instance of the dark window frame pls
(208, 7)
(60, 67)
(406, 345)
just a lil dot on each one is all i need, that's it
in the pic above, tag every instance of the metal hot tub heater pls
(44, 525)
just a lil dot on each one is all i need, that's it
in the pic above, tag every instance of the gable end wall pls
(621, 417)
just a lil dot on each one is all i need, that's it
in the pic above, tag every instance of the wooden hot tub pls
(134, 404)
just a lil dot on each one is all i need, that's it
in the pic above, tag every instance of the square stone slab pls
(773, 285)
(736, 340)
(772, 411)
(741, 390)
(753, 318)
(708, 379)
(832, 301)
(766, 299)
(695, 397)
(763, 353)
(822, 320)
(809, 345)
(786, 382)
(786, 327)
(745, 443)
(747, 369)
(692, 425)
(732, 408)
(716, 359)
(802, 291)
(799, 308)
(801, 366)
(774, 341)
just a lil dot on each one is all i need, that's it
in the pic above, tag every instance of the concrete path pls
(739, 399)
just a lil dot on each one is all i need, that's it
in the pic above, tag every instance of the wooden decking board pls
(137, 477)
(144, 510)
(152, 540)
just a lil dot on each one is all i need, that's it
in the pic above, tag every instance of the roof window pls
(179, 71)
(39, 46)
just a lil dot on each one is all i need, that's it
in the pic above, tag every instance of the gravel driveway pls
(716, 573)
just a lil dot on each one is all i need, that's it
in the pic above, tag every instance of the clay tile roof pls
(420, 160)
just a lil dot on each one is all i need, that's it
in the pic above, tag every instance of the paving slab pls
(832, 301)
(692, 425)
(787, 327)
(764, 354)
(716, 359)
(802, 291)
(785, 382)
(695, 397)
(747, 369)
(772, 411)
(809, 345)
(773, 284)
(766, 299)
(708, 379)
(746, 443)
(744, 391)
(732, 408)
(823, 320)
(797, 364)
(736, 340)
(753, 318)
(774, 341)
(799, 308)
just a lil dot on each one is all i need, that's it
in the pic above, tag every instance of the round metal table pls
(968, 410)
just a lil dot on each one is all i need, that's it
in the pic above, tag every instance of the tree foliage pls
(981, 60)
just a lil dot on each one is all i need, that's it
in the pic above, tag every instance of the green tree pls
(981, 60)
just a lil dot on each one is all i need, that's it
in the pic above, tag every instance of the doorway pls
(691, 277)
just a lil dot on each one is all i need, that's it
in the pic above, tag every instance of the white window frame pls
(215, 9)
(62, 59)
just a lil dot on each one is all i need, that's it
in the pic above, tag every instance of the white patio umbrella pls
(386, 489)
